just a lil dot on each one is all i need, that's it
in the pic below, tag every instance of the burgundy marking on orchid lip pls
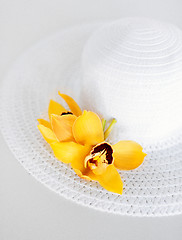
(66, 113)
(104, 147)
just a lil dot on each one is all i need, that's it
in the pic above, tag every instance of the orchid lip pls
(104, 148)
(101, 154)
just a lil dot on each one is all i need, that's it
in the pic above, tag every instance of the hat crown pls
(132, 70)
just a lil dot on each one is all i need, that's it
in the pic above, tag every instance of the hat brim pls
(154, 189)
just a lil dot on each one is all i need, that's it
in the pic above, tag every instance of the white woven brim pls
(154, 189)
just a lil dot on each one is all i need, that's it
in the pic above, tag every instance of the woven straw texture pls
(61, 62)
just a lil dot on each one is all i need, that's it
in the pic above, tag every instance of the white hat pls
(130, 69)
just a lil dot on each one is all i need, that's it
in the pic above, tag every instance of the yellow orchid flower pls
(78, 138)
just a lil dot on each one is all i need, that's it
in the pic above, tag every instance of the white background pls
(28, 210)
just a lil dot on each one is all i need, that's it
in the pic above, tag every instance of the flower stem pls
(103, 124)
(109, 129)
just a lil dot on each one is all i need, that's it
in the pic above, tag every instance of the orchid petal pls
(62, 126)
(87, 129)
(127, 155)
(79, 165)
(69, 152)
(75, 109)
(55, 108)
(44, 123)
(110, 179)
(47, 133)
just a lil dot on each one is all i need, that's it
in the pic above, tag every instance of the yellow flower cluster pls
(78, 138)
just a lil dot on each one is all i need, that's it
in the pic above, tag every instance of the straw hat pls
(130, 69)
